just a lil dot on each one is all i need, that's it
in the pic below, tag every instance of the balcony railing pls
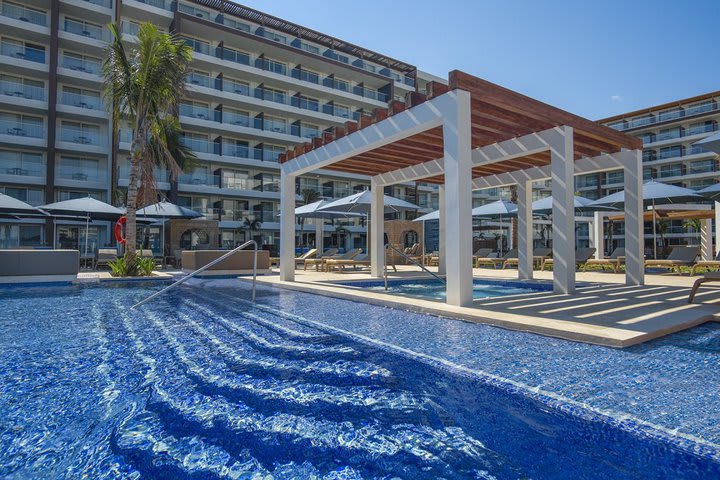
(101, 3)
(82, 101)
(23, 14)
(198, 79)
(22, 52)
(202, 179)
(162, 176)
(164, 4)
(241, 151)
(81, 65)
(80, 174)
(234, 118)
(83, 29)
(238, 183)
(22, 129)
(687, 112)
(199, 112)
(16, 89)
(81, 136)
(201, 146)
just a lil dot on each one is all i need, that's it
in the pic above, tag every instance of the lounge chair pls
(330, 252)
(319, 262)
(614, 261)
(301, 259)
(104, 256)
(481, 253)
(539, 256)
(582, 255)
(708, 277)
(362, 260)
(706, 264)
(495, 261)
(679, 257)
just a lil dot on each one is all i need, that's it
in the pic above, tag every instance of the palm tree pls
(251, 225)
(308, 196)
(144, 85)
(183, 159)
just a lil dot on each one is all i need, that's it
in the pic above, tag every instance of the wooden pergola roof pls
(498, 114)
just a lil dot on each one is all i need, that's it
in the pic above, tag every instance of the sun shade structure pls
(13, 206)
(87, 207)
(361, 202)
(654, 193)
(315, 211)
(472, 134)
(581, 204)
(711, 143)
(165, 209)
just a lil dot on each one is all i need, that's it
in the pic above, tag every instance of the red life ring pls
(119, 230)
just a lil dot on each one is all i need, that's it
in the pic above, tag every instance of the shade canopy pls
(166, 209)
(712, 192)
(87, 207)
(13, 206)
(711, 143)
(653, 193)
(500, 208)
(544, 205)
(312, 210)
(360, 203)
(428, 216)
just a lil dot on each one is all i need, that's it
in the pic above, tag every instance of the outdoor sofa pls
(240, 263)
(33, 266)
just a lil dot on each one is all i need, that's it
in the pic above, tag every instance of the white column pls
(597, 234)
(377, 229)
(706, 247)
(319, 234)
(287, 227)
(562, 167)
(441, 234)
(525, 231)
(634, 228)
(717, 228)
(458, 200)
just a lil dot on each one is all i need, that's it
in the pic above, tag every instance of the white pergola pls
(474, 135)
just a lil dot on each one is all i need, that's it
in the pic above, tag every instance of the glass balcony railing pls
(701, 129)
(162, 176)
(198, 79)
(21, 13)
(81, 65)
(203, 179)
(238, 183)
(19, 51)
(201, 146)
(69, 172)
(86, 30)
(19, 128)
(124, 135)
(235, 87)
(129, 28)
(197, 46)
(335, 111)
(232, 23)
(81, 136)
(101, 3)
(271, 95)
(199, 112)
(234, 215)
(241, 151)
(195, 12)
(90, 102)
(305, 76)
(305, 132)
(305, 104)
(233, 118)
(670, 153)
(669, 135)
(233, 56)
(708, 166)
(274, 126)
(163, 4)
(675, 114)
(271, 66)
(16, 89)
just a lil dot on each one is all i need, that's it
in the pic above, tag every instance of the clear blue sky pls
(596, 58)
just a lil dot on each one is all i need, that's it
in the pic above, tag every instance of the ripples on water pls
(196, 387)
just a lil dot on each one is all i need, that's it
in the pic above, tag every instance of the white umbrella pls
(88, 207)
(163, 210)
(711, 143)
(313, 210)
(498, 209)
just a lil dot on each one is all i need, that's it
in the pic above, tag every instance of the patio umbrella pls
(712, 192)
(163, 210)
(711, 143)
(582, 204)
(654, 193)
(313, 210)
(498, 209)
(87, 207)
(13, 206)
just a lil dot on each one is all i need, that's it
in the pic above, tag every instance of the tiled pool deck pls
(604, 312)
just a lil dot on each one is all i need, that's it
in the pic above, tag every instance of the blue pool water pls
(202, 384)
(434, 289)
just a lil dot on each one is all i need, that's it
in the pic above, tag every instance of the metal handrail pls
(201, 269)
(411, 260)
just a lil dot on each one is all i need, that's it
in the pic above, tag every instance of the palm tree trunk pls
(173, 187)
(130, 225)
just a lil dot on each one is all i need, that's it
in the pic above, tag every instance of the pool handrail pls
(411, 260)
(203, 268)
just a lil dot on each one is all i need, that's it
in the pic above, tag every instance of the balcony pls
(199, 112)
(86, 30)
(162, 4)
(305, 76)
(18, 12)
(18, 128)
(16, 89)
(81, 136)
(81, 65)
(234, 118)
(80, 174)
(198, 79)
(202, 179)
(241, 151)
(22, 52)
(81, 101)
(305, 104)
(200, 146)
(666, 116)
(238, 183)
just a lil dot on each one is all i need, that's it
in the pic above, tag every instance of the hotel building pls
(257, 85)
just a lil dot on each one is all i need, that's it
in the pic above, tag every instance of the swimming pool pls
(435, 290)
(202, 384)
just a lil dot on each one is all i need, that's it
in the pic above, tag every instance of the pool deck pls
(604, 312)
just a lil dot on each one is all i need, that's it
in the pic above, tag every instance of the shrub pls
(127, 266)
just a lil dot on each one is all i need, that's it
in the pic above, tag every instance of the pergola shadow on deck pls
(469, 135)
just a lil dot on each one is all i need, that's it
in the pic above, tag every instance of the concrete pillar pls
(562, 169)
(319, 234)
(287, 227)
(706, 246)
(597, 234)
(441, 233)
(525, 231)
(717, 228)
(458, 201)
(634, 228)
(377, 229)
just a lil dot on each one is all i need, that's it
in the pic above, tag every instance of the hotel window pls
(672, 151)
(22, 50)
(671, 114)
(81, 63)
(274, 66)
(199, 46)
(81, 97)
(343, 85)
(236, 117)
(309, 48)
(273, 94)
(236, 86)
(22, 163)
(309, 131)
(235, 56)
(275, 124)
(271, 35)
(21, 125)
(198, 77)
(701, 107)
(22, 87)
(702, 166)
(81, 169)
(272, 152)
(62, 195)
(199, 110)
(702, 127)
(78, 132)
(668, 133)
(308, 103)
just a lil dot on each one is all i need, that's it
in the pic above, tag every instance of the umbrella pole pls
(87, 231)
(654, 233)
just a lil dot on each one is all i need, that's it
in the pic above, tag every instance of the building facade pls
(257, 85)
